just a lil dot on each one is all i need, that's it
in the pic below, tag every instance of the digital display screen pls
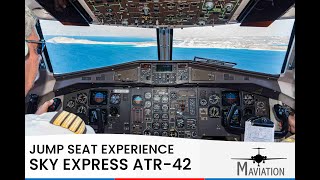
(145, 66)
(235, 119)
(137, 100)
(182, 66)
(163, 68)
(230, 97)
(98, 97)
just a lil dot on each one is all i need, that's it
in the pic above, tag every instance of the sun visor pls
(67, 12)
(262, 13)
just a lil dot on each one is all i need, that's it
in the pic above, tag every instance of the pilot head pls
(292, 123)
(33, 47)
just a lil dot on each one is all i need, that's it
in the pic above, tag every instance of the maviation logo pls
(254, 169)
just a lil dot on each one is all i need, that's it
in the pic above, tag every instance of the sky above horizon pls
(278, 28)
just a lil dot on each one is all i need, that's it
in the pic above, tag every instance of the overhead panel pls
(163, 13)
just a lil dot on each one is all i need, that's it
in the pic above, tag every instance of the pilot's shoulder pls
(69, 121)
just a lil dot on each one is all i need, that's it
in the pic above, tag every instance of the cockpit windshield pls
(77, 48)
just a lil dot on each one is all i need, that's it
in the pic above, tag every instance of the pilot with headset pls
(291, 128)
(43, 122)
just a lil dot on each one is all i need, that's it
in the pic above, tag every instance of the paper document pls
(258, 133)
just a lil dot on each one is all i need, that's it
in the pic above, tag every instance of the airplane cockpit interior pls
(197, 98)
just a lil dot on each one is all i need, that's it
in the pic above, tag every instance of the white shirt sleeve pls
(40, 125)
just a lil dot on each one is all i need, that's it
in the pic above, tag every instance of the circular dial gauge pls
(82, 98)
(260, 105)
(147, 132)
(203, 102)
(164, 125)
(114, 112)
(229, 7)
(156, 106)
(164, 133)
(82, 110)
(147, 95)
(156, 125)
(156, 116)
(173, 133)
(147, 112)
(115, 99)
(248, 111)
(156, 98)
(180, 123)
(147, 104)
(165, 108)
(70, 104)
(248, 99)
(173, 95)
(165, 99)
(209, 5)
(165, 116)
(214, 112)
(214, 99)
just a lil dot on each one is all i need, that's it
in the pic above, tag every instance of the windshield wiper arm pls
(213, 61)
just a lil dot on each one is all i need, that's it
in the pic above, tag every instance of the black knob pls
(55, 105)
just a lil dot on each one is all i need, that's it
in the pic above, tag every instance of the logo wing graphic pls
(242, 158)
(274, 158)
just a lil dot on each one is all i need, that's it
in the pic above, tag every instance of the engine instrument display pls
(98, 97)
(163, 68)
(230, 97)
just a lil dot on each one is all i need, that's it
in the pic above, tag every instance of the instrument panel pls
(156, 13)
(185, 112)
(183, 99)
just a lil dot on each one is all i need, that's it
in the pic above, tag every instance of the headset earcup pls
(26, 49)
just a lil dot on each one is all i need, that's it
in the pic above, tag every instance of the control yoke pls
(256, 121)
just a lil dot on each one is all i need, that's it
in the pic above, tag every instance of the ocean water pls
(92, 53)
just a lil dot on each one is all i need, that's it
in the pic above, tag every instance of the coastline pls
(176, 44)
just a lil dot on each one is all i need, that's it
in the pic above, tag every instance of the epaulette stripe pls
(85, 130)
(75, 125)
(68, 121)
(72, 121)
(81, 129)
(80, 126)
(55, 116)
(61, 118)
(61, 121)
